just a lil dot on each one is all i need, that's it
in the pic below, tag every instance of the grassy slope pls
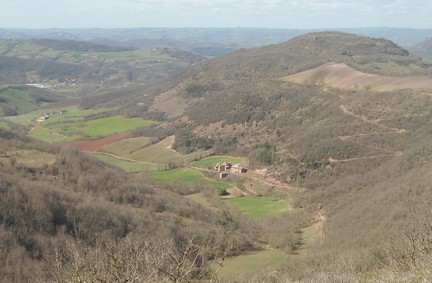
(210, 162)
(17, 98)
(127, 146)
(128, 166)
(3, 125)
(187, 175)
(250, 263)
(257, 207)
(73, 113)
(161, 152)
(101, 127)
(345, 77)
(50, 135)
(26, 49)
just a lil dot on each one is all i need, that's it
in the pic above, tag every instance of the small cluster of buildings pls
(224, 168)
(46, 116)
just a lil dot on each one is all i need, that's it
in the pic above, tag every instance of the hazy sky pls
(215, 13)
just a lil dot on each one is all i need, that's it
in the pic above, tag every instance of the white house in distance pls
(46, 116)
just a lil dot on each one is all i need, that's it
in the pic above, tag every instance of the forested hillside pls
(358, 153)
(341, 159)
(69, 216)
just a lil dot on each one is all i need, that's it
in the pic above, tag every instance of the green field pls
(3, 125)
(73, 114)
(73, 124)
(26, 119)
(250, 263)
(128, 166)
(99, 127)
(161, 152)
(188, 175)
(17, 98)
(257, 207)
(127, 146)
(185, 175)
(211, 161)
(49, 135)
(27, 49)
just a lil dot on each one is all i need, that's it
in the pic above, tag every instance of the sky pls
(297, 14)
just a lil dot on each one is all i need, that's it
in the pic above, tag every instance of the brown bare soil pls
(344, 77)
(96, 144)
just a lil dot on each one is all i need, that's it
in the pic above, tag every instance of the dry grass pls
(344, 77)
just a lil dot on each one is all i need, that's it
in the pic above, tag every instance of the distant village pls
(224, 168)
(46, 116)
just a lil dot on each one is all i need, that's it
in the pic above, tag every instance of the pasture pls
(161, 152)
(73, 114)
(49, 135)
(18, 98)
(250, 262)
(99, 127)
(3, 125)
(188, 176)
(211, 161)
(258, 207)
(76, 124)
(127, 165)
(127, 146)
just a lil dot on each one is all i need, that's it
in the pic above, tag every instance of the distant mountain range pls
(205, 41)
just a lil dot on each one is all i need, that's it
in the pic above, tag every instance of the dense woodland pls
(360, 162)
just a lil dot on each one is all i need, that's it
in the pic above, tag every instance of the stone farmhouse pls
(224, 168)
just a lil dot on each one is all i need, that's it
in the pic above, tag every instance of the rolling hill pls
(423, 49)
(48, 60)
(358, 150)
(16, 99)
(355, 156)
